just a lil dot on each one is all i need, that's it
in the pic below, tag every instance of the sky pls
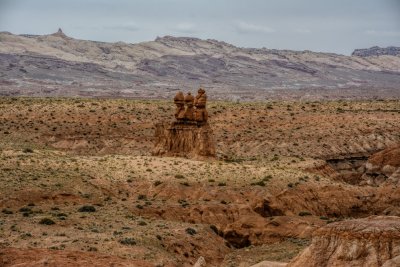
(337, 26)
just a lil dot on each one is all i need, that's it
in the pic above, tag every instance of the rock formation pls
(201, 114)
(372, 241)
(377, 51)
(379, 168)
(190, 135)
(179, 101)
(189, 112)
(383, 166)
(201, 262)
(59, 33)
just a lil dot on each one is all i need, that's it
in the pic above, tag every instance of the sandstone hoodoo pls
(189, 135)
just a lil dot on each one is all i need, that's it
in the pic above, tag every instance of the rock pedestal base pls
(184, 139)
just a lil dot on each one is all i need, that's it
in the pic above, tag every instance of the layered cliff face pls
(383, 166)
(369, 242)
(379, 168)
(188, 140)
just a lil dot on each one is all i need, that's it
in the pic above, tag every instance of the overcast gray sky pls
(337, 26)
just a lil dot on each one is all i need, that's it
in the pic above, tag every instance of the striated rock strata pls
(372, 241)
(189, 140)
(379, 168)
(383, 166)
(59, 65)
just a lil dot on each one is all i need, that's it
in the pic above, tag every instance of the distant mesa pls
(169, 61)
(169, 38)
(189, 135)
(377, 51)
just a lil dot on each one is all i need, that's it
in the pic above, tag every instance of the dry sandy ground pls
(259, 200)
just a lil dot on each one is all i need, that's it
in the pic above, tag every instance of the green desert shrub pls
(128, 241)
(87, 208)
(304, 213)
(190, 231)
(46, 221)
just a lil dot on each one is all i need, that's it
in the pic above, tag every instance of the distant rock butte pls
(368, 242)
(60, 33)
(377, 51)
(190, 135)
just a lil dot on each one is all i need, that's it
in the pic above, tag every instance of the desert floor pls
(78, 183)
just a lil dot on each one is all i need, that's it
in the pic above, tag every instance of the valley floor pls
(78, 182)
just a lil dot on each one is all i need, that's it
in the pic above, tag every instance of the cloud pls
(244, 28)
(185, 28)
(383, 33)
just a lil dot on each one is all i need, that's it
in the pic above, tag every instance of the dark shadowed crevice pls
(265, 209)
(236, 239)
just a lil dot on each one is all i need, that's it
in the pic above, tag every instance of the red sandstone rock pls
(387, 157)
(369, 242)
(184, 140)
(189, 112)
(190, 136)
(383, 166)
(200, 101)
(179, 101)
